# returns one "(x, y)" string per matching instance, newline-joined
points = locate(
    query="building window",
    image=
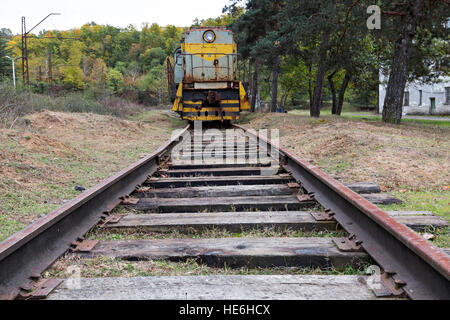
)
(406, 99)
(447, 95)
(420, 97)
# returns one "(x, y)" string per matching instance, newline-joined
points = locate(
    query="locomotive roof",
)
(209, 28)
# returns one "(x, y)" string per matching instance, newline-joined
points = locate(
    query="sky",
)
(75, 13)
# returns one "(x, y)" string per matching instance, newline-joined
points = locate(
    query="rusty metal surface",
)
(389, 287)
(349, 244)
(130, 201)
(400, 251)
(110, 220)
(304, 197)
(208, 62)
(40, 290)
(31, 250)
(322, 216)
(83, 246)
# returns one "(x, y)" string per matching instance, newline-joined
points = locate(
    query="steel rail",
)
(29, 252)
(411, 263)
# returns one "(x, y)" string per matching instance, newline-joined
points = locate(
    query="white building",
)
(421, 98)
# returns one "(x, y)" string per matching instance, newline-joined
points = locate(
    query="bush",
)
(14, 104)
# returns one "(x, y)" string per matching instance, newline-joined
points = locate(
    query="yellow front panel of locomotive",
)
(209, 51)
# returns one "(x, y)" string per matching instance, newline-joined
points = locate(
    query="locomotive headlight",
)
(209, 36)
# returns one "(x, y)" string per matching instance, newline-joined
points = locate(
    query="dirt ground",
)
(410, 157)
(410, 161)
(42, 161)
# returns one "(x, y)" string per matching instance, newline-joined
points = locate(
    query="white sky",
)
(75, 13)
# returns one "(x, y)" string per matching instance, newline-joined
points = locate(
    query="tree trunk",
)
(342, 93)
(284, 98)
(333, 93)
(275, 72)
(393, 102)
(310, 85)
(317, 97)
(249, 75)
(255, 83)
(50, 72)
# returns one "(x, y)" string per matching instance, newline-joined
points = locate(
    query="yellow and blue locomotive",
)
(203, 79)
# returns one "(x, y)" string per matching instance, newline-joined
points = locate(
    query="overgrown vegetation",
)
(143, 234)
(295, 53)
(318, 49)
(410, 161)
(14, 104)
(111, 267)
(45, 158)
(127, 62)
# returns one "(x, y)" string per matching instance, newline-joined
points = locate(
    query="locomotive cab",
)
(204, 83)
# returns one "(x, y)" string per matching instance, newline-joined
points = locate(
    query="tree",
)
(115, 80)
(73, 75)
(309, 23)
(294, 78)
(5, 63)
(154, 57)
(351, 56)
(405, 25)
(254, 33)
(99, 72)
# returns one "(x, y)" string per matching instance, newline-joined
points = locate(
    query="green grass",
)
(143, 234)
(44, 180)
(336, 165)
(369, 116)
(247, 117)
(111, 267)
(433, 123)
(437, 202)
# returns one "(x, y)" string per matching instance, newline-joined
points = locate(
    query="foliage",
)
(5, 63)
(115, 59)
(115, 80)
(332, 36)
(14, 104)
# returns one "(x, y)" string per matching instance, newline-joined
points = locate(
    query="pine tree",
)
(254, 33)
(405, 25)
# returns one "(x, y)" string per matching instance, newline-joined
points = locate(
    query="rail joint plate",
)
(40, 290)
(349, 244)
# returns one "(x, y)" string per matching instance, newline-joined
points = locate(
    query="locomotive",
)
(203, 77)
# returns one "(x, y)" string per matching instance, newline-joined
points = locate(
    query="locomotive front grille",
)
(228, 110)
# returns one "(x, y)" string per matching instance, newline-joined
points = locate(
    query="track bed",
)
(248, 215)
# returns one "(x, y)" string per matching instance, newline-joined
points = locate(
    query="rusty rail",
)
(411, 264)
(26, 254)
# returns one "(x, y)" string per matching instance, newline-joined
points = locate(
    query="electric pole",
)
(13, 70)
(25, 72)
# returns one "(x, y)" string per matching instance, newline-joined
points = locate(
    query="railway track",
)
(246, 186)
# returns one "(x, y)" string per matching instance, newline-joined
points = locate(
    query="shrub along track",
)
(172, 191)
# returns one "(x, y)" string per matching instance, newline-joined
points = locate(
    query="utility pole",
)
(24, 51)
(50, 73)
(13, 70)
(25, 33)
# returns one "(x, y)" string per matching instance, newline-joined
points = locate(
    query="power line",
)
(25, 33)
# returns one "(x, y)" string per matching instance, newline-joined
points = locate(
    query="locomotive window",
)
(178, 57)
